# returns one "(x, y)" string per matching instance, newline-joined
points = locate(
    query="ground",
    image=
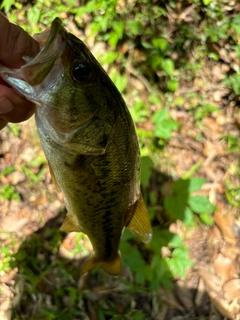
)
(40, 265)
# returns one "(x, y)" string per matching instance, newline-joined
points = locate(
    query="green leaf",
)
(6, 5)
(118, 27)
(179, 261)
(172, 84)
(160, 238)
(109, 57)
(146, 170)
(160, 116)
(33, 15)
(113, 39)
(155, 61)
(160, 43)
(154, 99)
(175, 205)
(176, 241)
(181, 186)
(170, 124)
(119, 80)
(168, 66)
(206, 2)
(164, 129)
(200, 204)
(195, 184)
(207, 219)
(188, 217)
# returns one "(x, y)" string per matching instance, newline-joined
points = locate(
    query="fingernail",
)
(5, 106)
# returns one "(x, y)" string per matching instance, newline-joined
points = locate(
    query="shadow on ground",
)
(48, 284)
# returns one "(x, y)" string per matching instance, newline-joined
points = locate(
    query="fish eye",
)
(81, 71)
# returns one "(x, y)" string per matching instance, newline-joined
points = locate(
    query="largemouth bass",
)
(89, 140)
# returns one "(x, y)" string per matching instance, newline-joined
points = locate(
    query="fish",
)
(90, 143)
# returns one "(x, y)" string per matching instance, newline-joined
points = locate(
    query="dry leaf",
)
(225, 223)
(224, 267)
(221, 305)
(231, 289)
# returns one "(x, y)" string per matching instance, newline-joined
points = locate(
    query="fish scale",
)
(90, 143)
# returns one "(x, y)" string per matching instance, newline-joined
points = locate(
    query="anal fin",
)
(54, 179)
(69, 225)
(138, 221)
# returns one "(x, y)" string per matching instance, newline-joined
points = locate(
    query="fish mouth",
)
(52, 43)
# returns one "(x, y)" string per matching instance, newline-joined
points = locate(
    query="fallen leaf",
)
(231, 289)
(224, 267)
(221, 305)
(225, 222)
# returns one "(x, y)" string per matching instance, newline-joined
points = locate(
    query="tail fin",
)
(112, 267)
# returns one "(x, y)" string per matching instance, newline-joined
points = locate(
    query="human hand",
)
(14, 43)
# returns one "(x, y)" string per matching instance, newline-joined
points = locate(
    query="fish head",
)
(64, 80)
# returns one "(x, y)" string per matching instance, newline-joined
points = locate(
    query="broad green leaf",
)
(206, 2)
(119, 80)
(180, 253)
(113, 39)
(160, 43)
(207, 219)
(195, 184)
(127, 235)
(146, 170)
(33, 15)
(155, 61)
(181, 186)
(161, 132)
(179, 261)
(176, 241)
(168, 66)
(160, 238)
(118, 27)
(164, 128)
(160, 116)
(170, 124)
(154, 99)
(188, 217)
(6, 5)
(175, 205)
(172, 84)
(200, 204)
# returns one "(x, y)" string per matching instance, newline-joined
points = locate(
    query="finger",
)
(3, 123)
(15, 43)
(14, 108)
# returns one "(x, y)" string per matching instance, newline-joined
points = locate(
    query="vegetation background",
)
(177, 65)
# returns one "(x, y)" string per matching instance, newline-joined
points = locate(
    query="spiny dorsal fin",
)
(138, 221)
(54, 179)
(69, 225)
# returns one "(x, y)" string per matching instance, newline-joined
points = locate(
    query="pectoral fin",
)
(138, 221)
(112, 267)
(54, 179)
(69, 225)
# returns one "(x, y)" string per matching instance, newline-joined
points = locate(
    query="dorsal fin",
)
(138, 221)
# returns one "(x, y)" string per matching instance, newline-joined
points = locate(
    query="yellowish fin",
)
(54, 179)
(69, 225)
(138, 221)
(112, 267)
